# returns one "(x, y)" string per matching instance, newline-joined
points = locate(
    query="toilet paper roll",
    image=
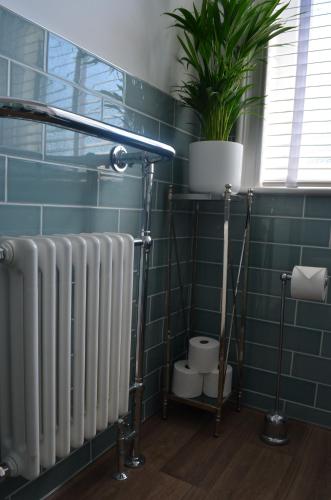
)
(186, 382)
(210, 383)
(310, 283)
(203, 354)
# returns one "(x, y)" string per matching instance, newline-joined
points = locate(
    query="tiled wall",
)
(286, 230)
(50, 183)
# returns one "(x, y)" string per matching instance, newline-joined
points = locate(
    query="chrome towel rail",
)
(23, 109)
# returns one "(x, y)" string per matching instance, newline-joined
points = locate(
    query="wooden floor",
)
(185, 462)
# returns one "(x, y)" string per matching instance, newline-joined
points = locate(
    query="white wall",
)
(131, 34)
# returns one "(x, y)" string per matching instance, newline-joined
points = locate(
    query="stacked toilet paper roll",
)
(309, 283)
(210, 383)
(186, 382)
(203, 354)
(188, 375)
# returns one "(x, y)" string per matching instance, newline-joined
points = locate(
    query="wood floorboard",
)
(185, 462)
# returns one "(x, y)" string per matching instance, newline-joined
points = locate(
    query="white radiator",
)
(65, 335)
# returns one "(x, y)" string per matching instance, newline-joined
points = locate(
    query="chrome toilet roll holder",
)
(275, 422)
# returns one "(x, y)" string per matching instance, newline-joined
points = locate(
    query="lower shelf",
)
(203, 402)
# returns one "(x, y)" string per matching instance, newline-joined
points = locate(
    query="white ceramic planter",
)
(214, 164)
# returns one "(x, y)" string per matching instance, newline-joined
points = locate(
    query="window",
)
(296, 144)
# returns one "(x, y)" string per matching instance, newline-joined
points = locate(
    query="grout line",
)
(292, 361)
(321, 344)
(315, 396)
(304, 206)
(6, 181)
(41, 220)
(8, 77)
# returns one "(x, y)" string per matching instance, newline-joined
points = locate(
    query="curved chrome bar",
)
(38, 112)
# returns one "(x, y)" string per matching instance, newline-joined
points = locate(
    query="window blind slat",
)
(297, 119)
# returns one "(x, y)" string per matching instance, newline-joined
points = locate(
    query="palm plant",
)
(223, 42)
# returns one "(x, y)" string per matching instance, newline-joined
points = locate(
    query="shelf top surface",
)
(204, 196)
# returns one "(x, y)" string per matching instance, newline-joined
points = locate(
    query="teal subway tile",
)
(157, 280)
(314, 315)
(292, 389)
(159, 224)
(120, 116)
(2, 178)
(178, 323)
(154, 333)
(3, 76)
(180, 171)
(177, 139)
(130, 222)
(326, 346)
(152, 384)
(160, 251)
(154, 358)
(34, 182)
(161, 198)
(120, 191)
(157, 306)
(266, 358)
(61, 220)
(211, 225)
(259, 381)
(18, 220)
(103, 441)
(163, 171)
(268, 204)
(20, 39)
(291, 231)
(308, 414)
(318, 206)
(312, 367)
(210, 250)
(21, 138)
(207, 297)
(150, 100)
(207, 321)
(323, 400)
(178, 346)
(295, 338)
(255, 400)
(186, 119)
(72, 63)
(317, 257)
(209, 274)
(268, 308)
(299, 391)
(271, 256)
(267, 282)
(29, 84)
(55, 476)
(152, 406)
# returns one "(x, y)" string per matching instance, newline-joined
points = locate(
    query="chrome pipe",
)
(135, 458)
(241, 349)
(221, 378)
(23, 109)
(167, 330)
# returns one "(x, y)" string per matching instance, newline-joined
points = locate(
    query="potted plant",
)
(222, 43)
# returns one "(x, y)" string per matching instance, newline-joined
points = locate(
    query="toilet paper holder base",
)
(275, 423)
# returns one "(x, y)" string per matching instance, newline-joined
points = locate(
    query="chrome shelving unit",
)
(227, 325)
